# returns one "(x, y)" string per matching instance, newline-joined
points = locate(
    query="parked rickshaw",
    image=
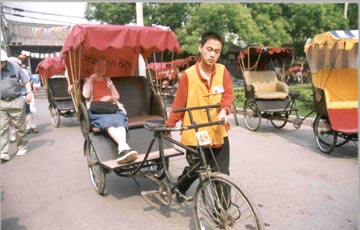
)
(334, 61)
(52, 75)
(219, 202)
(267, 95)
(165, 75)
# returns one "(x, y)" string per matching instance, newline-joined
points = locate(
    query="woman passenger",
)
(98, 87)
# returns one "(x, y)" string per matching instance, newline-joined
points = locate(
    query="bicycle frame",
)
(202, 167)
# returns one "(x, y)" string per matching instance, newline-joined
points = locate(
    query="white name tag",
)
(218, 89)
(203, 138)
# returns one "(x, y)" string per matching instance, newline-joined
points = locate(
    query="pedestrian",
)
(99, 88)
(205, 83)
(298, 77)
(30, 108)
(13, 80)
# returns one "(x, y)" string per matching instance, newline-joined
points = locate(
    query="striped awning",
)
(344, 39)
(333, 49)
(340, 34)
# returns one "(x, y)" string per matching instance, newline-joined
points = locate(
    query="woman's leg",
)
(118, 134)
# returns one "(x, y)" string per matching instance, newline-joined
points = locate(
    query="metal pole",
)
(140, 22)
(346, 10)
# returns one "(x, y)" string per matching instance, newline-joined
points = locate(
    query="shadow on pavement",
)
(12, 223)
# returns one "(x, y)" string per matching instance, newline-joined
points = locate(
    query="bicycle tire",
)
(279, 124)
(252, 115)
(213, 211)
(55, 116)
(96, 171)
(325, 137)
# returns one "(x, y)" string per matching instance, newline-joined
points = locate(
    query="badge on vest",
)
(218, 89)
(203, 138)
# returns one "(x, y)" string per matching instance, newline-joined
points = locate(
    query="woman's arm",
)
(88, 86)
(115, 96)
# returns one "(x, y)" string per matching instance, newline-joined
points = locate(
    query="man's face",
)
(210, 51)
(100, 67)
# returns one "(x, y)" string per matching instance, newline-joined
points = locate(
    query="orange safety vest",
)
(199, 95)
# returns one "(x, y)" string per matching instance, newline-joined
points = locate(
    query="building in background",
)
(34, 41)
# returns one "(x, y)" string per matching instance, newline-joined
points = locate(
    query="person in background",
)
(298, 77)
(205, 83)
(30, 122)
(306, 75)
(98, 87)
(13, 80)
(30, 110)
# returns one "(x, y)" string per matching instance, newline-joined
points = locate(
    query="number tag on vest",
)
(218, 89)
(203, 138)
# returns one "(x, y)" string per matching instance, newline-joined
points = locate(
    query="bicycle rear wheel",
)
(220, 203)
(325, 137)
(55, 116)
(252, 115)
(96, 171)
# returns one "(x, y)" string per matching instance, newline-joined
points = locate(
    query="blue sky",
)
(71, 11)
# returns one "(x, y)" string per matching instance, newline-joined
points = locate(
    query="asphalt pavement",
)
(294, 185)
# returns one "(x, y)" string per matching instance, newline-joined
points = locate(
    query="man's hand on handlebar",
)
(222, 116)
(166, 133)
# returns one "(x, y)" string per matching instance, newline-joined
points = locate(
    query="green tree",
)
(111, 13)
(353, 16)
(167, 14)
(306, 20)
(231, 19)
(269, 20)
(267, 24)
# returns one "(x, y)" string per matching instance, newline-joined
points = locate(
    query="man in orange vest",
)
(205, 83)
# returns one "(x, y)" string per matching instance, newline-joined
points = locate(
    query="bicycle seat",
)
(294, 94)
(157, 125)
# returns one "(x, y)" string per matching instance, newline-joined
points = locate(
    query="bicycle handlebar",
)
(196, 108)
(159, 126)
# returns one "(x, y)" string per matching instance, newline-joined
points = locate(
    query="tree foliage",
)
(170, 14)
(111, 13)
(267, 24)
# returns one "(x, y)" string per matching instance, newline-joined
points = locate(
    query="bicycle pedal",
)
(181, 197)
(149, 193)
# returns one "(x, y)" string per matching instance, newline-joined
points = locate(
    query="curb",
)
(307, 121)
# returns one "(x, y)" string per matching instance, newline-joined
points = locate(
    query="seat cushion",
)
(266, 85)
(272, 95)
(138, 121)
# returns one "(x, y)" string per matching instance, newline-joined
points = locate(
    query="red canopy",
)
(168, 69)
(120, 45)
(186, 61)
(261, 56)
(49, 67)
(163, 70)
(295, 68)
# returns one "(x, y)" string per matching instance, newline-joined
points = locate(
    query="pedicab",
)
(51, 71)
(267, 95)
(165, 75)
(122, 45)
(334, 61)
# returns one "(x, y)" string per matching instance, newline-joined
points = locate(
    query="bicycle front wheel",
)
(220, 203)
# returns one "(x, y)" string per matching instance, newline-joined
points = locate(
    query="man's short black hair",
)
(211, 35)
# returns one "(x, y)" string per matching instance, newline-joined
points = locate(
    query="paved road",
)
(294, 185)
